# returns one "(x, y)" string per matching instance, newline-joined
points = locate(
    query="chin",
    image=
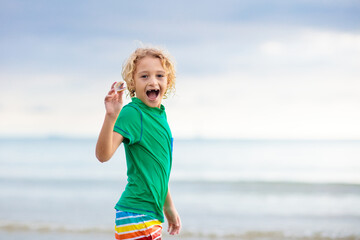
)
(154, 103)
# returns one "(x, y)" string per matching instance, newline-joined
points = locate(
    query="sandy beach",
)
(55, 235)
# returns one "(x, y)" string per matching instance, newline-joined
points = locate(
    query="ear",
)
(131, 84)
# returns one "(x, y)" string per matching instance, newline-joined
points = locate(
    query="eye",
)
(160, 75)
(144, 76)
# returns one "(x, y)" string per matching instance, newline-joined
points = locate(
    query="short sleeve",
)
(129, 124)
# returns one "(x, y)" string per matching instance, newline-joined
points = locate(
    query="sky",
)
(247, 69)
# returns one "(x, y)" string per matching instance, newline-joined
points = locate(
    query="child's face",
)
(150, 81)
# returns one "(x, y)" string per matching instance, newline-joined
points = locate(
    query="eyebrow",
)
(159, 71)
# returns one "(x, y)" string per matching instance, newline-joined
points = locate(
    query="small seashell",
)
(120, 86)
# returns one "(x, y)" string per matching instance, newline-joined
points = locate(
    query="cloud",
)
(249, 107)
(129, 20)
(314, 43)
(285, 69)
(291, 87)
(293, 91)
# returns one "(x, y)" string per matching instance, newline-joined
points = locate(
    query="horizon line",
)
(199, 138)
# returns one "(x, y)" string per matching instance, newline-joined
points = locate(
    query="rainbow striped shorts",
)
(136, 226)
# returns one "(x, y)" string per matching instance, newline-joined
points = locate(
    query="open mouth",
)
(152, 94)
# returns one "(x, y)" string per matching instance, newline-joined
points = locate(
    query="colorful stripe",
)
(136, 226)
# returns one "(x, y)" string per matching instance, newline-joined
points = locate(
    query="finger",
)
(169, 228)
(111, 92)
(120, 92)
(108, 97)
(111, 97)
(171, 231)
(174, 229)
(177, 226)
(119, 96)
(180, 224)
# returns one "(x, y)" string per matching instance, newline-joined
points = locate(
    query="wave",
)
(243, 185)
(268, 235)
(46, 227)
(39, 174)
(9, 226)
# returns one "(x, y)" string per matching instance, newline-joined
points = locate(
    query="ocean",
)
(54, 188)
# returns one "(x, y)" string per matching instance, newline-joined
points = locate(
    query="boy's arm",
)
(109, 140)
(172, 215)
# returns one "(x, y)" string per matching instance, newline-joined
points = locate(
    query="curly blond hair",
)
(129, 68)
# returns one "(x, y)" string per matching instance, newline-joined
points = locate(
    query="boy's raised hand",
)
(114, 102)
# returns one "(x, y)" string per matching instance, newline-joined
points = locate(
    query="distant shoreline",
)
(59, 137)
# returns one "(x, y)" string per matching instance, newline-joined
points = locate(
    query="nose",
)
(152, 80)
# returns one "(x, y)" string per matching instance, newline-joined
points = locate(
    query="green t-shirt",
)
(148, 149)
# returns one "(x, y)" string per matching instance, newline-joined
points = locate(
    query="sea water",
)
(55, 188)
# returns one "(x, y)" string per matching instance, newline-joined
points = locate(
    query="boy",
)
(142, 127)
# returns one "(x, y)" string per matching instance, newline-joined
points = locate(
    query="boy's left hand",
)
(174, 221)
